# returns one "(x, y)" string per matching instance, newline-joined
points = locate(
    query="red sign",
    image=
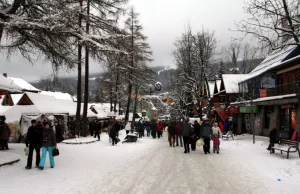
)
(286, 106)
(220, 111)
(232, 110)
(263, 93)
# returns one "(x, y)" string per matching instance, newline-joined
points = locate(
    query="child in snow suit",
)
(216, 142)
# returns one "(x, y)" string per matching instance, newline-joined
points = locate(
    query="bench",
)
(286, 145)
(228, 135)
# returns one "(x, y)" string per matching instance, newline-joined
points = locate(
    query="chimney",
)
(5, 75)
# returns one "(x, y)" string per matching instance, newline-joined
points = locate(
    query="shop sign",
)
(286, 106)
(263, 93)
(247, 109)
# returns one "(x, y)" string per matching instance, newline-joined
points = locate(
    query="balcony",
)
(284, 89)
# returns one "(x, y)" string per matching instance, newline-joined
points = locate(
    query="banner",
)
(220, 111)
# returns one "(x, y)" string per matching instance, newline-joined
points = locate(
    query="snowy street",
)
(151, 166)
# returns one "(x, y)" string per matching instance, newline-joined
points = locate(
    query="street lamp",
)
(157, 87)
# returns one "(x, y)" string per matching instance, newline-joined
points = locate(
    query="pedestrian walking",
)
(127, 128)
(206, 135)
(193, 139)
(226, 126)
(4, 133)
(216, 130)
(178, 134)
(186, 132)
(159, 130)
(274, 138)
(171, 133)
(48, 144)
(153, 127)
(140, 128)
(97, 130)
(92, 127)
(34, 140)
(113, 133)
(197, 129)
(147, 127)
(216, 143)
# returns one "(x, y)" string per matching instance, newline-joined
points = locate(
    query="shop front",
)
(249, 114)
(287, 120)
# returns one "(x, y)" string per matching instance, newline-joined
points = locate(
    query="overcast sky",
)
(163, 21)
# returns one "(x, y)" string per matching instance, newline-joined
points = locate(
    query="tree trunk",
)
(78, 110)
(116, 92)
(134, 106)
(86, 82)
(132, 65)
(128, 102)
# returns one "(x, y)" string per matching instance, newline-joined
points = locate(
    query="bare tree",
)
(193, 55)
(139, 53)
(273, 22)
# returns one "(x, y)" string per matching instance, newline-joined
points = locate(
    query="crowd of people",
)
(183, 133)
(41, 136)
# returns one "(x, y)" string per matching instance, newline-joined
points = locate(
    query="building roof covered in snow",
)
(218, 82)
(9, 85)
(275, 59)
(231, 82)
(58, 95)
(36, 103)
(24, 84)
(211, 87)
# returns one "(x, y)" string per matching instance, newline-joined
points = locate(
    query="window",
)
(290, 80)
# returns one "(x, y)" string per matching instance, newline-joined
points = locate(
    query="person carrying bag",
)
(48, 145)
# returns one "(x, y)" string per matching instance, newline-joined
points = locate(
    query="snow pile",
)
(81, 140)
(8, 157)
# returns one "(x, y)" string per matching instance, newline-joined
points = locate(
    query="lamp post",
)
(157, 87)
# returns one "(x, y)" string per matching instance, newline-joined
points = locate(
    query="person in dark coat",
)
(48, 144)
(140, 128)
(186, 132)
(274, 138)
(153, 129)
(113, 133)
(92, 127)
(4, 133)
(97, 130)
(197, 129)
(178, 134)
(226, 126)
(171, 133)
(34, 140)
(206, 135)
(193, 139)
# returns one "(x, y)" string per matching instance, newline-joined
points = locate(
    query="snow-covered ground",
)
(6, 157)
(151, 166)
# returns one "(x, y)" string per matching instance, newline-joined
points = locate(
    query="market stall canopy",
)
(9, 86)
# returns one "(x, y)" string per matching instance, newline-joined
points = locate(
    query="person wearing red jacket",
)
(160, 128)
(216, 142)
(178, 134)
